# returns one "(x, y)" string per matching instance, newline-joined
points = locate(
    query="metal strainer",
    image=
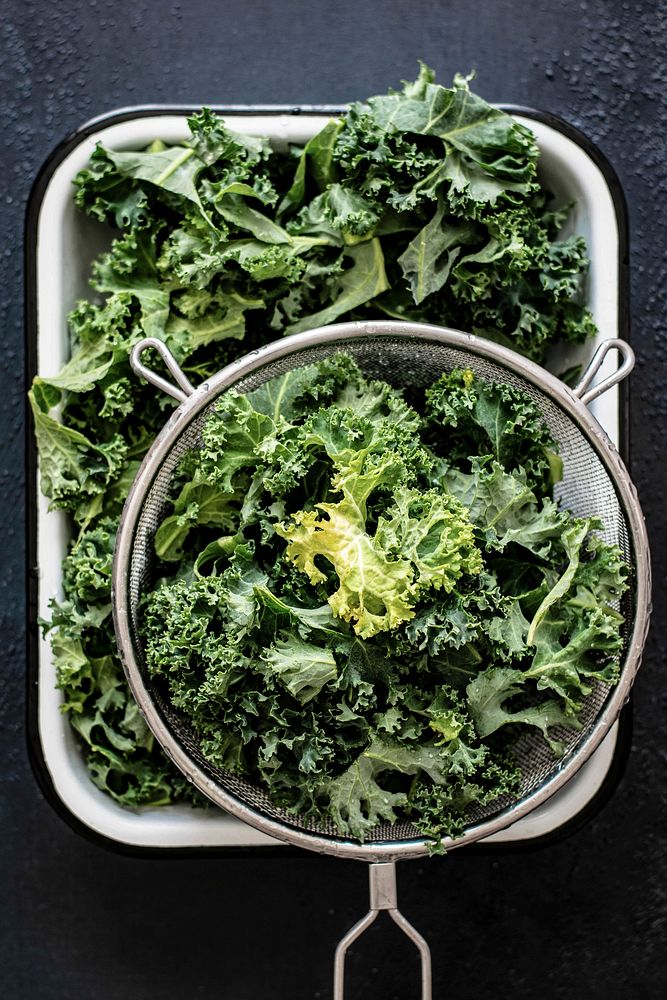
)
(596, 483)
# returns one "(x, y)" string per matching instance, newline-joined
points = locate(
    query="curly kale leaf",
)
(422, 541)
(356, 800)
(358, 284)
(302, 667)
(504, 508)
(74, 470)
(474, 148)
(495, 419)
(487, 695)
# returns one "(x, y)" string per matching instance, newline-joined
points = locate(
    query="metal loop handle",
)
(383, 896)
(581, 390)
(186, 387)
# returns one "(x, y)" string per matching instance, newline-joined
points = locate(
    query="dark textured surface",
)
(585, 918)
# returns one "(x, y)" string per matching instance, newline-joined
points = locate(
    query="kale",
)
(420, 204)
(333, 694)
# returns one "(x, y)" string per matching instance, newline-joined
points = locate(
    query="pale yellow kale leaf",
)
(425, 541)
(375, 591)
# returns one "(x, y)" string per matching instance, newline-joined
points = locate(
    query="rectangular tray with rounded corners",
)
(60, 246)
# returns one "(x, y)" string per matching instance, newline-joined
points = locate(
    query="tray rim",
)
(39, 766)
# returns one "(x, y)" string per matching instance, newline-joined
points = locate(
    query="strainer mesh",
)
(587, 490)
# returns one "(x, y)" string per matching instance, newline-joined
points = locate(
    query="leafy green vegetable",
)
(422, 204)
(357, 642)
(486, 694)
(502, 421)
(422, 541)
(302, 667)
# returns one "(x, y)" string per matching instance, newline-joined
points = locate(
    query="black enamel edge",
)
(39, 766)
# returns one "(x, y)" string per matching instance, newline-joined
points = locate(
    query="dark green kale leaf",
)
(502, 421)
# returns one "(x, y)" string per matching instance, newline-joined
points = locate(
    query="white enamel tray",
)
(61, 245)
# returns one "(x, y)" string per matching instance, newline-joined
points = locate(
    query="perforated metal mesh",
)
(587, 490)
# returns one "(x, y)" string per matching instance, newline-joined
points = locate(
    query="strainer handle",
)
(186, 387)
(582, 390)
(383, 896)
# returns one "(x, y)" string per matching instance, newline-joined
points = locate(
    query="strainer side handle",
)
(583, 388)
(182, 390)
